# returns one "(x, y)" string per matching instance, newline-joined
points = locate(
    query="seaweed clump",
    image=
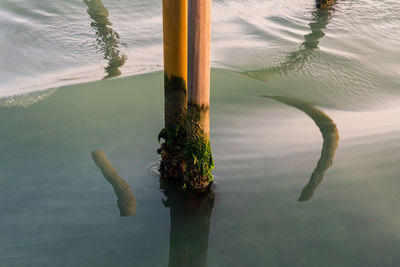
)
(197, 152)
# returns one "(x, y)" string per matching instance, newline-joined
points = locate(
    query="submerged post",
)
(199, 161)
(175, 76)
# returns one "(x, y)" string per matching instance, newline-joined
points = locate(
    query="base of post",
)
(172, 166)
(197, 153)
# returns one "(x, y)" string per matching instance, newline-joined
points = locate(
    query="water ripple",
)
(351, 50)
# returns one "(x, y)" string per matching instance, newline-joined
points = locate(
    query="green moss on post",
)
(199, 161)
(173, 165)
(197, 153)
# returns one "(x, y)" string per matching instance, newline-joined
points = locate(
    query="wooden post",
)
(175, 38)
(175, 90)
(198, 155)
(325, 3)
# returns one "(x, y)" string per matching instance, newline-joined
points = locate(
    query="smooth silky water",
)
(305, 124)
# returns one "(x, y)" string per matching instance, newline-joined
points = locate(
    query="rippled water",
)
(345, 58)
(305, 128)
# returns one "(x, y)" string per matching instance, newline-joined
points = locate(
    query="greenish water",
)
(59, 210)
(346, 58)
(305, 124)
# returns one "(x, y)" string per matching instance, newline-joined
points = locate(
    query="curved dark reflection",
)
(297, 59)
(190, 225)
(107, 39)
(330, 137)
(126, 200)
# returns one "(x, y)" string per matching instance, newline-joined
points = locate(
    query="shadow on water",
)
(190, 215)
(296, 60)
(330, 137)
(107, 39)
(126, 200)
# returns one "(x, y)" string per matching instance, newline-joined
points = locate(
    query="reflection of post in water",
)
(107, 38)
(330, 136)
(126, 199)
(296, 60)
(190, 225)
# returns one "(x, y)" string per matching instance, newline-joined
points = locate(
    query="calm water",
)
(305, 131)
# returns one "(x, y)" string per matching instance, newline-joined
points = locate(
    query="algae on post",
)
(198, 156)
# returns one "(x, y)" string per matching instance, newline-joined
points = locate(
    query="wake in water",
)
(331, 76)
(296, 60)
(26, 100)
(347, 58)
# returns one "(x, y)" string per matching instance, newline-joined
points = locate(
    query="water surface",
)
(305, 124)
(58, 209)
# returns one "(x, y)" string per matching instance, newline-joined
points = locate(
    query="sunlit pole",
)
(175, 88)
(198, 156)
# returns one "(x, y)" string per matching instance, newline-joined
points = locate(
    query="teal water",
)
(58, 210)
(304, 130)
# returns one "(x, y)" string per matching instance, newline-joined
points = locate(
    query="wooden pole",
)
(175, 90)
(199, 52)
(175, 38)
(325, 3)
(198, 155)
